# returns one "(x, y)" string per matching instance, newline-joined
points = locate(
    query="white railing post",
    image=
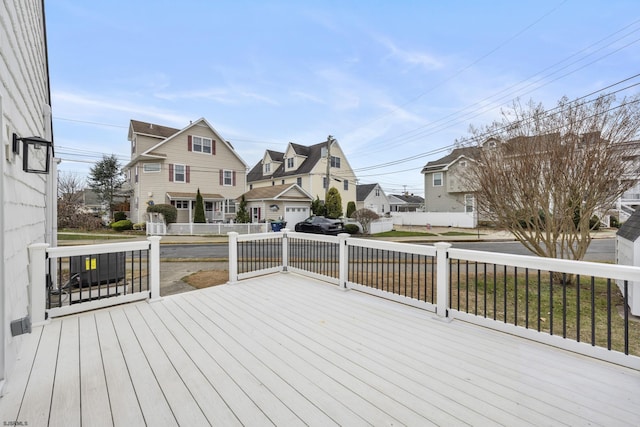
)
(442, 279)
(343, 255)
(285, 250)
(233, 256)
(154, 267)
(37, 282)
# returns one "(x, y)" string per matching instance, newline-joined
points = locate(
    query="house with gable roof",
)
(307, 167)
(286, 202)
(405, 203)
(169, 165)
(444, 188)
(372, 197)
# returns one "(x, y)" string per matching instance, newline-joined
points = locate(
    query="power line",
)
(463, 69)
(456, 117)
(444, 148)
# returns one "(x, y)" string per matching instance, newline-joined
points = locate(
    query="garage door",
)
(295, 214)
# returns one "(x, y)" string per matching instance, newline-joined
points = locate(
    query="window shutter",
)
(233, 182)
(221, 177)
(187, 173)
(170, 172)
(213, 147)
(189, 143)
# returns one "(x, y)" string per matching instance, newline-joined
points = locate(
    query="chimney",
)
(150, 125)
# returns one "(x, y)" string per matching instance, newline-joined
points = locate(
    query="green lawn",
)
(394, 233)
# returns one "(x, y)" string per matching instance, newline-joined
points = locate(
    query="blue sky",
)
(396, 83)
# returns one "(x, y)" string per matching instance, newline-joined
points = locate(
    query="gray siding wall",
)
(438, 199)
(24, 106)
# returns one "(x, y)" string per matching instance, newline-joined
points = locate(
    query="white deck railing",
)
(46, 263)
(442, 273)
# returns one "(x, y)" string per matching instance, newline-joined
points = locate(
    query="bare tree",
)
(365, 217)
(70, 212)
(543, 174)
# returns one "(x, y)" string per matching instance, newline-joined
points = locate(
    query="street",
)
(600, 250)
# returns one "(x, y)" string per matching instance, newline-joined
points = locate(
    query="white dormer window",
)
(290, 163)
(267, 168)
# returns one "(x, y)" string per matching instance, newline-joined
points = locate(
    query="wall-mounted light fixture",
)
(274, 208)
(36, 153)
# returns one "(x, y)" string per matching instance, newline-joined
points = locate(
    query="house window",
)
(230, 206)
(335, 162)
(283, 182)
(345, 185)
(377, 192)
(179, 173)
(437, 179)
(267, 167)
(299, 181)
(202, 145)
(180, 204)
(290, 162)
(136, 180)
(151, 167)
(324, 182)
(227, 178)
(250, 186)
(468, 203)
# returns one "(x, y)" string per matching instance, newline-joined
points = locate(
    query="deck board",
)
(209, 401)
(523, 384)
(95, 408)
(287, 350)
(125, 408)
(66, 387)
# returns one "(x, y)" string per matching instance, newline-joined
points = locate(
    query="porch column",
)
(233, 256)
(37, 282)
(154, 268)
(285, 250)
(343, 265)
(442, 279)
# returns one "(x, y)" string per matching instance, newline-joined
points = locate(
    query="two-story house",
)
(372, 197)
(314, 168)
(444, 187)
(169, 166)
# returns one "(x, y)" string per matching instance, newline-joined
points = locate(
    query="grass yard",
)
(578, 308)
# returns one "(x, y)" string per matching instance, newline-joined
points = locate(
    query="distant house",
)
(91, 202)
(27, 200)
(313, 168)
(405, 203)
(169, 165)
(444, 189)
(371, 196)
(286, 202)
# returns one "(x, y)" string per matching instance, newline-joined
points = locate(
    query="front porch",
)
(286, 349)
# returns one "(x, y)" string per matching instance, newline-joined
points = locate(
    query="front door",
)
(255, 215)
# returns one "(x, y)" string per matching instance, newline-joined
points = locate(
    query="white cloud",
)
(79, 106)
(423, 59)
(219, 95)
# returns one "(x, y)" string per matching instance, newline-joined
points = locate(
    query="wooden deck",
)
(287, 350)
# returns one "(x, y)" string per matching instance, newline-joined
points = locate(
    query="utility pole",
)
(326, 190)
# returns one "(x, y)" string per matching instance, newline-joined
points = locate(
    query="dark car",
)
(320, 225)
